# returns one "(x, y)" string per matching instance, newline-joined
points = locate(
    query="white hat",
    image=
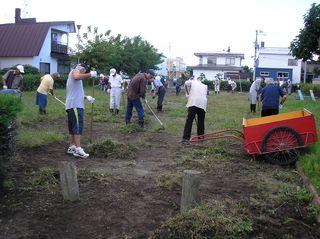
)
(20, 68)
(113, 71)
(101, 75)
(158, 78)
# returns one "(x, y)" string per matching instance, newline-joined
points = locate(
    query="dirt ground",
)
(126, 200)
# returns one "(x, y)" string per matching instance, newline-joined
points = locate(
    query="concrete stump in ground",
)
(190, 187)
(69, 181)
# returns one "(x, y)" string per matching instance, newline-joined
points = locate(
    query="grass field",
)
(223, 111)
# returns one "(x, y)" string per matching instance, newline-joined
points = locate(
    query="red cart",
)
(278, 137)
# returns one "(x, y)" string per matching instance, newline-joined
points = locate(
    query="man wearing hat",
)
(13, 81)
(137, 89)
(115, 82)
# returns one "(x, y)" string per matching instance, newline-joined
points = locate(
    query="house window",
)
(264, 73)
(282, 75)
(212, 61)
(230, 61)
(44, 68)
(292, 62)
(63, 67)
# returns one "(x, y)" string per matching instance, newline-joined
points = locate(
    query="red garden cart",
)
(278, 137)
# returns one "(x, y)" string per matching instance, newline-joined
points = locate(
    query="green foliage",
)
(109, 148)
(9, 108)
(214, 220)
(307, 87)
(104, 51)
(307, 42)
(226, 87)
(28, 69)
(32, 138)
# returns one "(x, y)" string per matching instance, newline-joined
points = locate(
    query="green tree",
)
(307, 43)
(104, 51)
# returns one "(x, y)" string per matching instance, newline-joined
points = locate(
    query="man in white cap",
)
(115, 82)
(75, 107)
(13, 81)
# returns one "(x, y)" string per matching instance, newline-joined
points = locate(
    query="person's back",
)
(270, 96)
(137, 86)
(197, 94)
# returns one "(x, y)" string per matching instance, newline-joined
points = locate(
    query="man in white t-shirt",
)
(115, 82)
(196, 93)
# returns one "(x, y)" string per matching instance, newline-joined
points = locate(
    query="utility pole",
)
(256, 48)
(78, 48)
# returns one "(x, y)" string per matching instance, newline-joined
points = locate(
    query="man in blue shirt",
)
(270, 98)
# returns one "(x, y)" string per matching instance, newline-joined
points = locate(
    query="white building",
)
(212, 63)
(43, 45)
(277, 63)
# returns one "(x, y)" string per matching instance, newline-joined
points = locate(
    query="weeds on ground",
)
(108, 148)
(204, 157)
(86, 176)
(213, 220)
(169, 180)
(35, 138)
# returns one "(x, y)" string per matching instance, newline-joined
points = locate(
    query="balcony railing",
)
(57, 47)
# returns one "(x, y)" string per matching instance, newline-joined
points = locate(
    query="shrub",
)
(307, 87)
(9, 107)
(224, 86)
(28, 69)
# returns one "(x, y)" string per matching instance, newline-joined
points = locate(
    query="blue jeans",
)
(161, 94)
(136, 103)
(178, 89)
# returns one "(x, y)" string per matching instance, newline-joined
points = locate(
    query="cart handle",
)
(221, 134)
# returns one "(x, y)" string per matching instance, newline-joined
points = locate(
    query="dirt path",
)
(126, 200)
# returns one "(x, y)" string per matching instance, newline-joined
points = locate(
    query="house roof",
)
(217, 68)
(25, 39)
(220, 53)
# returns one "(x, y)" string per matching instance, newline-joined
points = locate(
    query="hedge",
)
(307, 87)
(9, 108)
(245, 85)
(32, 81)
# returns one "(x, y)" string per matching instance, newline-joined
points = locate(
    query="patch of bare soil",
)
(127, 200)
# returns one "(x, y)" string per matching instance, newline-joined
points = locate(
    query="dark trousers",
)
(178, 89)
(253, 108)
(267, 112)
(161, 94)
(192, 112)
(136, 103)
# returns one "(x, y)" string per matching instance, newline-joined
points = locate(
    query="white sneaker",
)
(71, 149)
(80, 153)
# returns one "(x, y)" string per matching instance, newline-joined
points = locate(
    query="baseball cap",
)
(113, 71)
(151, 72)
(20, 68)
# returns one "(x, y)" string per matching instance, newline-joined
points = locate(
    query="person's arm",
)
(187, 86)
(20, 86)
(76, 75)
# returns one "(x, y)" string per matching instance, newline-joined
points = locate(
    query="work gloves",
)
(93, 74)
(280, 106)
(5, 87)
(90, 99)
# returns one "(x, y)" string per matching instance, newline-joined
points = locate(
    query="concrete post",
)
(190, 187)
(69, 181)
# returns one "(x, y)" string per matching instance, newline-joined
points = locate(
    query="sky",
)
(178, 28)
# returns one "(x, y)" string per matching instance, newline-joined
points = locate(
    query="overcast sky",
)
(188, 26)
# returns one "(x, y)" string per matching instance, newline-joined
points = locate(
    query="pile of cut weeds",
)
(108, 148)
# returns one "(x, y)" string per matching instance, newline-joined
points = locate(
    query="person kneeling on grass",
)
(75, 107)
(46, 86)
